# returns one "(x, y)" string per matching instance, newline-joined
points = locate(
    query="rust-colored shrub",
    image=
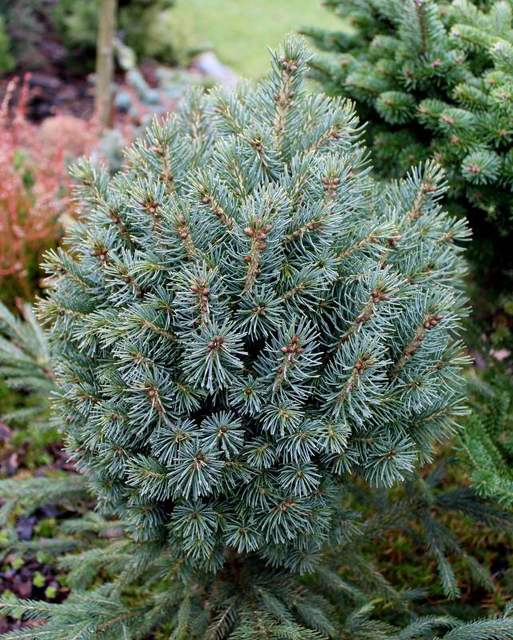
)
(34, 190)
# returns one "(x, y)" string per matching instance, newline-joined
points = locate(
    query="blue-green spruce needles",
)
(244, 319)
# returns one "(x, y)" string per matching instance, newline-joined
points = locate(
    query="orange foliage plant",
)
(35, 190)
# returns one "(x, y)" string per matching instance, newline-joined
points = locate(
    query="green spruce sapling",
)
(245, 321)
(486, 442)
(26, 381)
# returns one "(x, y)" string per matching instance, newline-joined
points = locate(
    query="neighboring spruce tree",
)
(486, 443)
(435, 80)
(25, 369)
(245, 322)
(25, 356)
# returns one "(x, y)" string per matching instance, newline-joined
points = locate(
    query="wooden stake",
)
(105, 61)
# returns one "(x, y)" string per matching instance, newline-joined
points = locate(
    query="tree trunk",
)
(105, 61)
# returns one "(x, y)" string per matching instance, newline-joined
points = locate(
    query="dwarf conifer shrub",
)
(434, 79)
(245, 319)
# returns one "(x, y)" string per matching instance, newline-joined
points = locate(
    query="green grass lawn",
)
(239, 31)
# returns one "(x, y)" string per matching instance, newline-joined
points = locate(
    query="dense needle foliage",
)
(251, 340)
(486, 443)
(245, 318)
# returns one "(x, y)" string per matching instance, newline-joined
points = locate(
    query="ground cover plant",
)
(244, 324)
(486, 444)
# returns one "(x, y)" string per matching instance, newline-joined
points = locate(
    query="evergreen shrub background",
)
(434, 79)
